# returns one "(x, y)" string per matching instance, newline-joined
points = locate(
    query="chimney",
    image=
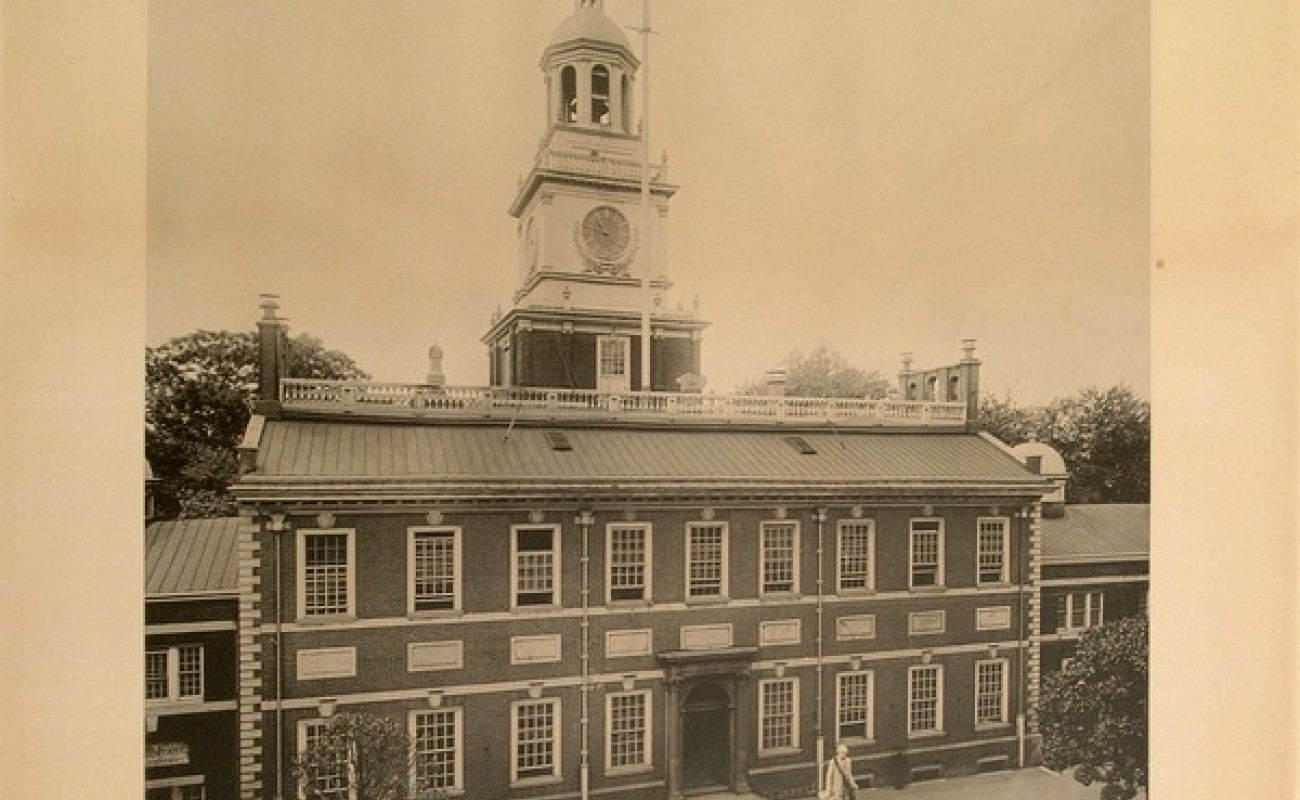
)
(906, 386)
(435, 376)
(775, 381)
(270, 357)
(970, 378)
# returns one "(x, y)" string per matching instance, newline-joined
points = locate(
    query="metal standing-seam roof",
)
(1109, 532)
(191, 556)
(304, 449)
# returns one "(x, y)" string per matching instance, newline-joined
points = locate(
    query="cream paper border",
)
(1224, 300)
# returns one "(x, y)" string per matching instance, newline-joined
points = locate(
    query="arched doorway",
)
(706, 737)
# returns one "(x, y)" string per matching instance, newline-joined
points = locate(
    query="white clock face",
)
(606, 233)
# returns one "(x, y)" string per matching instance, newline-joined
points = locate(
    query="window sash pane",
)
(704, 573)
(189, 672)
(777, 711)
(989, 692)
(435, 571)
(778, 557)
(923, 700)
(992, 551)
(325, 574)
(627, 730)
(925, 558)
(535, 740)
(854, 705)
(435, 749)
(155, 675)
(855, 556)
(628, 554)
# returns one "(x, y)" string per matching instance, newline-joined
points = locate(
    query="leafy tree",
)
(361, 757)
(1093, 713)
(199, 390)
(1104, 437)
(825, 373)
(1009, 422)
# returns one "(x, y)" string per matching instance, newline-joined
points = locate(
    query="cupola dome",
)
(589, 24)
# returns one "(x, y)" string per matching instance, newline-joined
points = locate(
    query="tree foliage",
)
(825, 373)
(361, 757)
(1093, 713)
(199, 391)
(1103, 435)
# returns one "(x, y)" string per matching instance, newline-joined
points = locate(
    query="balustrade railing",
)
(522, 402)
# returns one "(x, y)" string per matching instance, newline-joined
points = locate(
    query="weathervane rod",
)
(648, 249)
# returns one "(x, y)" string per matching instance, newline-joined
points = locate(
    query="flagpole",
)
(647, 239)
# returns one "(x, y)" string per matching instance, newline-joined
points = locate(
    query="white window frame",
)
(724, 566)
(911, 552)
(1004, 573)
(913, 701)
(556, 566)
(413, 534)
(556, 740)
(647, 532)
(763, 713)
(303, 729)
(172, 656)
(608, 381)
(764, 528)
(840, 680)
(351, 578)
(646, 733)
(1004, 667)
(1094, 605)
(178, 788)
(458, 745)
(841, 528)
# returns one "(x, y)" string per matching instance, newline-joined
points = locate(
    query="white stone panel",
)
(327, 662)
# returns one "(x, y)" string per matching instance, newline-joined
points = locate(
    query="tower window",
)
(569, 94)
(600, 95)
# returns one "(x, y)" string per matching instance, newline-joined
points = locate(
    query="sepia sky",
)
(879, 175)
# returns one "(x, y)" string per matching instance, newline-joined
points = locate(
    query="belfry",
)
(592, 246)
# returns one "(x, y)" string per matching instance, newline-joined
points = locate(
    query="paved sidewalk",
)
(1022, 784)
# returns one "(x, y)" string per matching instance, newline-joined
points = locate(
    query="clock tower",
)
(592, 261)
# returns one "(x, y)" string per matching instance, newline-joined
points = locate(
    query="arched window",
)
(600, 95)
(569, 94)
(954, 383)
(932, 389)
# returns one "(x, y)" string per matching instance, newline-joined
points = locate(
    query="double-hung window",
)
(535, 565)
(1077, 611)
(535, 740)
(627, 721)
(991, 550)
(857, 544)
(706, 560)
(174, 674)
(991, 692)
(436, 749)
(433, 564)
(627, 554)
(927, 553)
(326, 573)
(186, 791)
(853, 705)
(924, 700)
(780, 548)
(324, 770)
(778, 714)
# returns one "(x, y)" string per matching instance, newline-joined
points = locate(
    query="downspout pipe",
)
(820, 517)
(1025, 633)
(584, 521)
